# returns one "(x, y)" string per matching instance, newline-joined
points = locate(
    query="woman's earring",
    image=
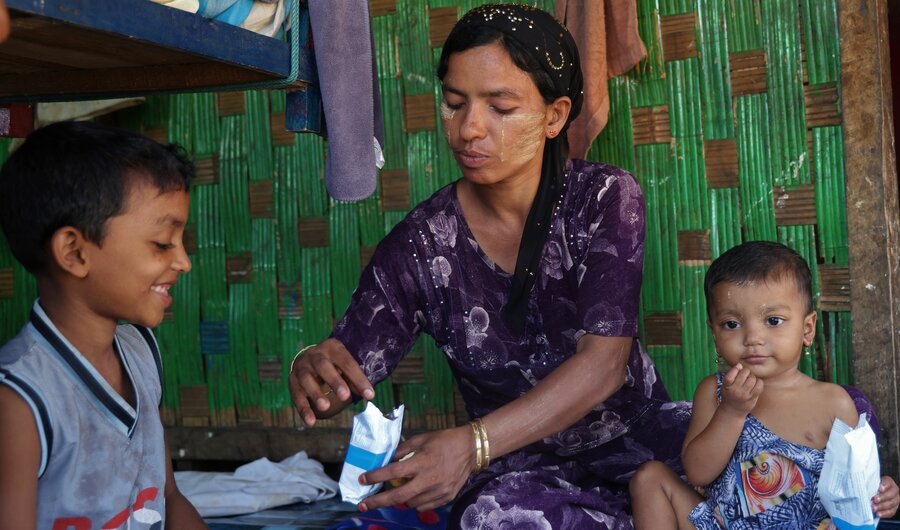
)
(719, 358)
(805, 349)
(552, 134)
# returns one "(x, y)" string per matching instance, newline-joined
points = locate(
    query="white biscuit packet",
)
(850, 475)
(372, 444)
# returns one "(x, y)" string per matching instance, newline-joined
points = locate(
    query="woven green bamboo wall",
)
(732, 125)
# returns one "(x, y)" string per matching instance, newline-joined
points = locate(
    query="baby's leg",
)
(660, 499)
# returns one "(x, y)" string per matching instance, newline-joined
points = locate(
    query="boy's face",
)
(140, 258)
(762, 325)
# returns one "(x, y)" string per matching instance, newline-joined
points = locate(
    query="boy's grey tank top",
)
(102, 461)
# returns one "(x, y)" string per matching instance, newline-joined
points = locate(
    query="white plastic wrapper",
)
(850, 475)
(372, 444)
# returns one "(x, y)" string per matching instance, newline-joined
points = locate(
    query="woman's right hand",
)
(321, 381)
(740, 390)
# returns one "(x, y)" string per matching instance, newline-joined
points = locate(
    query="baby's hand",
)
(885, 502)
(740, 390)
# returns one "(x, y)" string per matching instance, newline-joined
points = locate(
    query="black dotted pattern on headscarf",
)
(547, 40)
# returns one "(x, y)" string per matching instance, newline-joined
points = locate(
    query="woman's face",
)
(494, 117)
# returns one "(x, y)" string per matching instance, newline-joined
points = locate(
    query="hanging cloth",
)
(606, 33)
(348, 80)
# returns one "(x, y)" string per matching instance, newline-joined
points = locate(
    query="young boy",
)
(758, 432)
(97, 215)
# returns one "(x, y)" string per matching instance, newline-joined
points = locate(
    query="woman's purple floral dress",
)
(429, 275)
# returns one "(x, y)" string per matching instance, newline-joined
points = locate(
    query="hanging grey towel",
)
(345, 58)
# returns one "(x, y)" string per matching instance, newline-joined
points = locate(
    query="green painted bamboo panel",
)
(309, 165)
(823, 45)
(781, 23)
(754, 169)
(236, 201)
(287, 200)
(614, 145)
(831, 201)
(344, 258)
(744, 30)
(839, 347)
(210, 264)
(725, 221)
(415, 48)
(205, 125)
(395, 134)
(179, 121)
(297, 288)
(691, 197)
(675, 7)
(242, 337)
(699, 352)
(258, 135)
(655, 175)
(683, 93)
(649, 30)
(420, 157)
(265, 287)
(718, 120)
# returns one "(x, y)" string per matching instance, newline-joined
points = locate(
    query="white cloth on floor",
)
(256, 486)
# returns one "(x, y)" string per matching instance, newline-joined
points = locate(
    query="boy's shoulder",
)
(16, 348)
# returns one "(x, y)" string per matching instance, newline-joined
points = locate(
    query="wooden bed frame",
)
(66, 50)
(71, 50)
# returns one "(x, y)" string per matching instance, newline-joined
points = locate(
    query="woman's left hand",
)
(885, 502)
(442, 462)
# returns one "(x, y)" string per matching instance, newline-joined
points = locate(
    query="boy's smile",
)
(762, 325)
(142, 253)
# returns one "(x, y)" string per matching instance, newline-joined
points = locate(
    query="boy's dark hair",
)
(79, 174)
(756, 261)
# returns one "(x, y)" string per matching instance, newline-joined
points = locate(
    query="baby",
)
(763, 422)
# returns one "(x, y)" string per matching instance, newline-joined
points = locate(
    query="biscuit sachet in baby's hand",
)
(850, 475)
(373, 441)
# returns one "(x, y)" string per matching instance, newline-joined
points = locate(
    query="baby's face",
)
(141, 256)
(762, 325)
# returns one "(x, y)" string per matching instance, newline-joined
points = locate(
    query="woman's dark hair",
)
(757, 261)
(464, 38)
(79, 174)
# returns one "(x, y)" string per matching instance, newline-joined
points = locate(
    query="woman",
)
(527, 274)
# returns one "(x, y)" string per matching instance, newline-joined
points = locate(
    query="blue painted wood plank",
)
(171, 28)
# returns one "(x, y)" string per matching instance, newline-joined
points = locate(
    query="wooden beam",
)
(163, 27)
(873, 214)
(124, 81)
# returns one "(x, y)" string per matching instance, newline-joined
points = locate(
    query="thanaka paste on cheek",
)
(528, 131)
(446, 117)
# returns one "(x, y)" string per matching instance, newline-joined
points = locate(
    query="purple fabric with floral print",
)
(429, 275)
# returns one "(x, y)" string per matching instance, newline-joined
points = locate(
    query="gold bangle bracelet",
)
(478, 450)
(298, 355)
(485, 444)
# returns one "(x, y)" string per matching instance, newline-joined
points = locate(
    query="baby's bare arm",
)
(715, 428)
